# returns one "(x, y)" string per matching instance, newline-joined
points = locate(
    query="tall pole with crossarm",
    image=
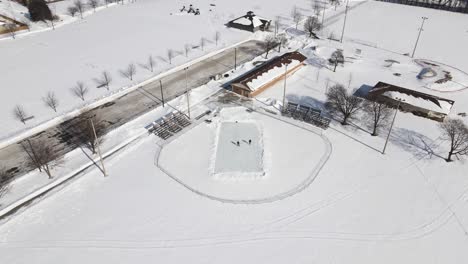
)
(419, 35)
(344, 23)
(393, 122)
(187, 91)
(284, 88)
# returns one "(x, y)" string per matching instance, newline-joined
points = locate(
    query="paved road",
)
(140, 101)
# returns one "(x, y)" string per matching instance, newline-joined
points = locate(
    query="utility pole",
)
(344, 23)
(98, 147)
(284, 89)
(393, 121)
(162, 94)
(187, 91)
(323, 13)
(235, 58)
(419, 35)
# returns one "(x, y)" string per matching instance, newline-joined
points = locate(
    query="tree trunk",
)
(336, 64)
(374, 132)
(449, 158)
(345, 120)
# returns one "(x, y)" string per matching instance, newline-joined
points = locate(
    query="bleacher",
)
(307, 114)
(168, 125)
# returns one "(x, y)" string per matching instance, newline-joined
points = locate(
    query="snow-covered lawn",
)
(363, 207)
(109, 40)
(407, 206)
(282, 160)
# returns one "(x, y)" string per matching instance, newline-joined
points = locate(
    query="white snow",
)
(407, 206)
(108, 40)
(443, 107)
(271, 75)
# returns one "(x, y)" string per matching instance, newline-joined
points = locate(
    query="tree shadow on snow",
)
(418, 144)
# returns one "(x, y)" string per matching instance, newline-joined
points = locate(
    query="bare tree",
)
(11, 28)
(79, 132)
(334, 3)
(51, 101)
(202, 43)
(170, 55)
(20, 114)
(80, 7)
(296, 15)
(336, 58)
(341, 102)
(281, 40)
(150, 64)
(4, 180)
(217, 37)
(72, 10)
(311, 25)
(129, 72)
(377, 114)
(269, 43)
(104, 80)
(93, 4)
(80, 90)
(187, 49)
(42, 155)
(456, 132)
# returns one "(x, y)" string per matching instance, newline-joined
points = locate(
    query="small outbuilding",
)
(264, 76)
(250, 22)
(418, 103)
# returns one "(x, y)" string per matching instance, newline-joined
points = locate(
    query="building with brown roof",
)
(261, 78)
(418, 103)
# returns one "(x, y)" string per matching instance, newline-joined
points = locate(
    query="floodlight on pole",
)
(419, 35)
(393, 121)
(284, 88)
(344, 22)
(98, 147)
(187, 91)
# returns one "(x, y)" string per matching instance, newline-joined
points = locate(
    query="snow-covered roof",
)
(418, 99)
(270, 70)
(270, 75)
(250, 20)
(439, 106)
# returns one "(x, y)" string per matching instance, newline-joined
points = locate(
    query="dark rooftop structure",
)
(250, 22)
(418, 103)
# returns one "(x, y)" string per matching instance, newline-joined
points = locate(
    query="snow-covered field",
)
(407, 206)
(278, 168)
(109, 40)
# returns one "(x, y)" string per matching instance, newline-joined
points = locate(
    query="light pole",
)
(284, 89)
(323, 13)
(393, 121)
(235, 58)
(98, 147)
(344, 23)
(419, 35)
(187, 91)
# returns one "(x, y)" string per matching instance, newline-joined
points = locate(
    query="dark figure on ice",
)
(238, 143)
(183, 9)
(250, 141)
(191, 10)
(197, 12)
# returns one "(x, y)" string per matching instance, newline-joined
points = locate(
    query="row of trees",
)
(346, 105)
(80, 89)
(79, 6)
